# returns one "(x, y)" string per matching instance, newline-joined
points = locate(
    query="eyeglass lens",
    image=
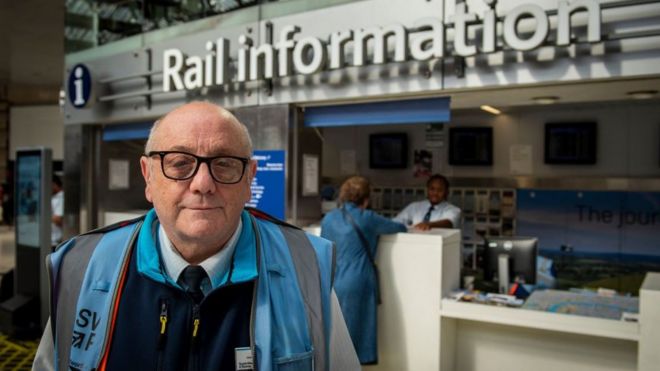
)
(182, 166)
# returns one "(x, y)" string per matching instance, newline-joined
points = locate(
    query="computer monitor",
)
(511, 259)
(388, 151)
(471, 146)
(571, 143)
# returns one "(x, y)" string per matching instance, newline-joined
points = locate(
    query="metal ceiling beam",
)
(87, 22)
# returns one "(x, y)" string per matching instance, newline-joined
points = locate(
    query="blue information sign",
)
(79, 86)
(268, 185)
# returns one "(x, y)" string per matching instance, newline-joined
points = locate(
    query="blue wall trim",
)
(126, 131)
(417, 111)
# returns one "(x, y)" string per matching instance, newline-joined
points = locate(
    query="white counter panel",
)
(484, 346)
(414, 280)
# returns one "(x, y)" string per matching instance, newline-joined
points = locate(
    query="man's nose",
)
(203, 182)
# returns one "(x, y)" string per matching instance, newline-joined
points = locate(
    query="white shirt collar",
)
(216, 266)
(437, 206)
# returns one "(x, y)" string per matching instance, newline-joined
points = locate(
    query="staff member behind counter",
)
(435, 211)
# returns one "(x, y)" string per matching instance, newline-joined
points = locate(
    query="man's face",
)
(197, 211)
(436, 191)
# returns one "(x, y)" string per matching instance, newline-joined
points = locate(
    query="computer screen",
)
(571, 143)
(521, 253)
(471, 146)
(388, 151)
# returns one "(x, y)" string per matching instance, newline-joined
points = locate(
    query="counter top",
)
(568, 323)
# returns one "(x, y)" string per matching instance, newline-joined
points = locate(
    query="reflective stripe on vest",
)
(311, 282)
(98, 293)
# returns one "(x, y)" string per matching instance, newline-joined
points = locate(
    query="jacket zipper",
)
(252, 316)
(194, 340)
(162, 337)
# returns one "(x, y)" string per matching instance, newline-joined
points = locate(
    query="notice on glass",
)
(310, 173)
(520, 158)
(118, 174)
(347, 162)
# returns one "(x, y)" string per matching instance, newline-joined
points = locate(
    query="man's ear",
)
(252, 170)
(145, 166)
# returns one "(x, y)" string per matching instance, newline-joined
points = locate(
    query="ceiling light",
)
(545, 100)
(490, 109)
(642, 94)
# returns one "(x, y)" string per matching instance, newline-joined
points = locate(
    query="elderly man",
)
(198, 283)
(435, 211)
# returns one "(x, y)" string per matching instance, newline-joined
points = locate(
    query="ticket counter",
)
(420, 328)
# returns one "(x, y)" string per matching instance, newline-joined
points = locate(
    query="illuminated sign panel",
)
(308, 55)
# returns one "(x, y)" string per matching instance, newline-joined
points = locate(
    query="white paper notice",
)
(118, 174)
(347, 162)
(520, 158)
(310, 173)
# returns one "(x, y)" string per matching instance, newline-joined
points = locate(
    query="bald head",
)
(199, 111)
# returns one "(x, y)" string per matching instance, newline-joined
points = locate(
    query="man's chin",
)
(200, 230)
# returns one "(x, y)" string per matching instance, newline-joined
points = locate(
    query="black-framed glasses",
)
(178, 165)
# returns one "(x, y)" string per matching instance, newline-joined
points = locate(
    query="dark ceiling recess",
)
(90, 23)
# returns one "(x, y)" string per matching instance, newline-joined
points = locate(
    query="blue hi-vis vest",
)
(290, 321)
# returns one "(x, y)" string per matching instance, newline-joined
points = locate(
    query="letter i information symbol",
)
(79, 86)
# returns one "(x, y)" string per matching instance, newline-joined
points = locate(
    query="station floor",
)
(14, 354)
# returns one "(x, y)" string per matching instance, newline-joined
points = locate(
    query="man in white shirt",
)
(57, 208)
(435, 211)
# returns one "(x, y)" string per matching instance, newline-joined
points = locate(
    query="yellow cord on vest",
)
(196, 326)
(163, 324)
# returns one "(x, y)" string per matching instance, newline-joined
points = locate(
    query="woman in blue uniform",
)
(355, 231)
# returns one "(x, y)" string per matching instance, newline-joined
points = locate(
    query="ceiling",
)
(579, 92)
(32, 58)
(32, 55)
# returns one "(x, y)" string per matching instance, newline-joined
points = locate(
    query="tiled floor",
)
(14, 354)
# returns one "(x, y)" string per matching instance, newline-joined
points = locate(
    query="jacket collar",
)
(149, 262)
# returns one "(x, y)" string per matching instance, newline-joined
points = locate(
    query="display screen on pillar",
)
(510, 257)
(28, 198)
(33, 185)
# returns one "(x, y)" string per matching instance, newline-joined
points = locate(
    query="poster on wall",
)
(268, 184)
(520, 159)
(595, 238)
(118, 174)
(310, 175)
(435, 135)
(423, 163)
(347, 162)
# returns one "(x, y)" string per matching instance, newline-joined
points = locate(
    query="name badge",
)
(243, 358)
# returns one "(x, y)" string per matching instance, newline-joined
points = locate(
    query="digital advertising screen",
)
(28, 193)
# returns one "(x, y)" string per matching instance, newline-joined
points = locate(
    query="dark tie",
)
(192, 278)
(427, 216)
